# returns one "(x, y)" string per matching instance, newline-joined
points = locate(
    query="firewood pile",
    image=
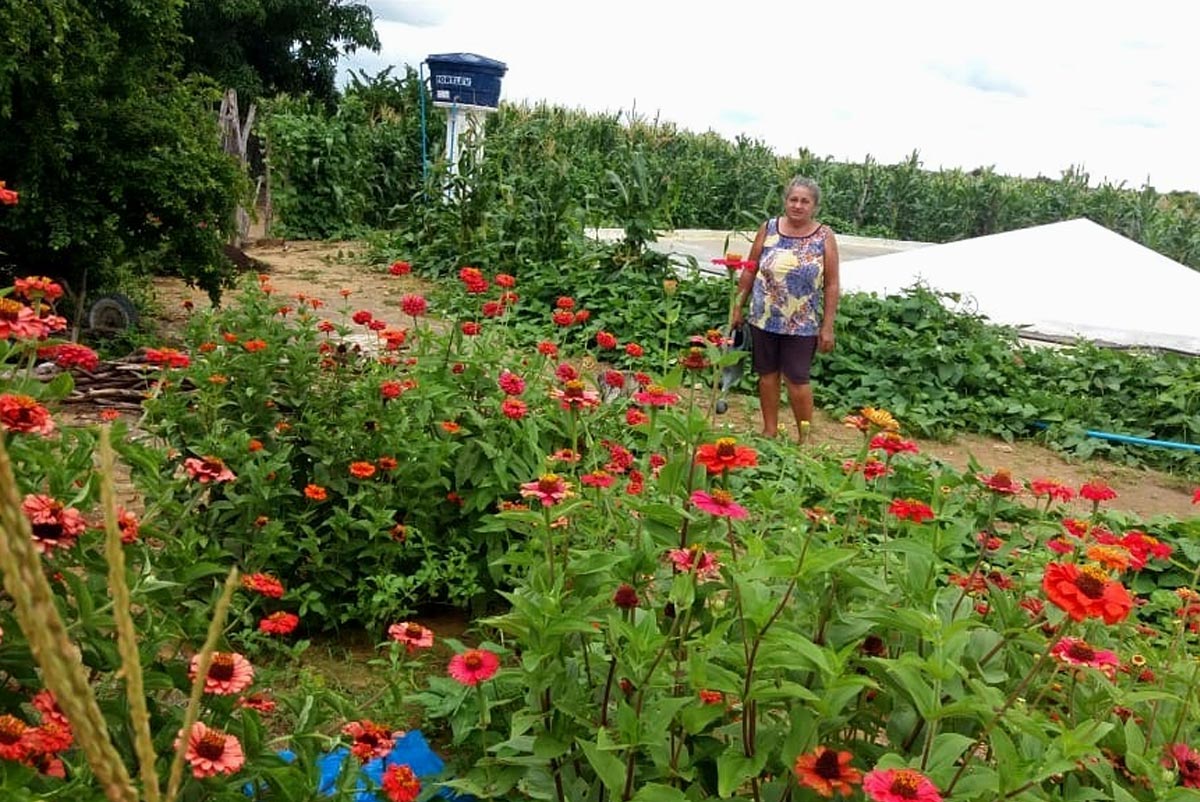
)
(120, 384)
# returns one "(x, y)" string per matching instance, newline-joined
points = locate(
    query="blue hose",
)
(1127, 438)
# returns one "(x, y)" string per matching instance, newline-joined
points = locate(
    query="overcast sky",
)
(1029, 87)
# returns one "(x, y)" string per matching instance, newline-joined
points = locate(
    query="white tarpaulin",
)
(1074, 279)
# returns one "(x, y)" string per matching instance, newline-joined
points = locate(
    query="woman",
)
(793, 294)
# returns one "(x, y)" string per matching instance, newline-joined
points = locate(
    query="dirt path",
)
(324, 270)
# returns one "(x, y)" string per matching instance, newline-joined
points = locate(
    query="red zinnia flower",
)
(634, 350)
(208, 469)
(263, 584)
(511, 383)
(1051, 488)
(399, 268)
(514, 408)
(387, 463)
(54, 526)
(893, 443)
(1086, 592)
(412, 635)
(128, 525)
(315, 492)
(1002, 482)
(546, 348)
(211, 752)
(22, 413)
(708, 697)
(491, 309)
(826, 771)
(258, 701)
(470, 328)
(911, 510)
(1196, 496)
(370, 740)
(362, 317)
(719, 503)
(725, 455)
(564, 303)
(598, 478)
(582, 316)
(474, 666)
(505, 280)
(362, 469)
(900, 785)
(414, 305)
(626, 596)
(550, 489)
(635, 417)
(13, 744)
(70, 355)
(1096, 491)
(229, 673)
(8, 197)
(606, 340)
(562, 318)
(655, 396)
(400, 783)
(1187, 762)
(33, 288)
(279, 623)
(254, 346)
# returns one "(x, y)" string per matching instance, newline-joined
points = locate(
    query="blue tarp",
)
(411, 750)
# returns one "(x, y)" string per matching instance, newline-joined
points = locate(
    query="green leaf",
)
(655, 792)
(734, 768)
(947, 748)
(607, 766)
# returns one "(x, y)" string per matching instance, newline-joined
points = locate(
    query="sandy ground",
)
(324, 270)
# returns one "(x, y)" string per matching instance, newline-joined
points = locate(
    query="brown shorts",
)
(791, 354)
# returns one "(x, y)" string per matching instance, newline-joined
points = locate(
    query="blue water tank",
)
(465, 79)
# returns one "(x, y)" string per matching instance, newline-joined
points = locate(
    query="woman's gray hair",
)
(806, 183)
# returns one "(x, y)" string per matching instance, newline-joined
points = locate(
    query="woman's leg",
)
(768, 399)
(800, 396)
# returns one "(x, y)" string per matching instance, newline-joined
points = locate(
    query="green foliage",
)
(115, 158)
(265, 47)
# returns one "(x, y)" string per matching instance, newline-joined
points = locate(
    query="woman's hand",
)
(825, 340)
(739, 317)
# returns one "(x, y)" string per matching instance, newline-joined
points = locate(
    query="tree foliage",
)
(116, 158)
(264, 47)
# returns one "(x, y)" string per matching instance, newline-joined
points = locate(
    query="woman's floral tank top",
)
(788, 290)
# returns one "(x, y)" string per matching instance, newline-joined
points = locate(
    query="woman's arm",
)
(746, 279)
(832, 294)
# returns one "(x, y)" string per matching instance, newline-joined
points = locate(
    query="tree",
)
(117, 160)
(264, 47)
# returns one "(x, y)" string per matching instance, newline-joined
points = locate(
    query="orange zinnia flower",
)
(826, 772)
(725, 455)
(1086, 593)
(362, 469)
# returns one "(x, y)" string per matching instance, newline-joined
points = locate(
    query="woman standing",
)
(793, 294)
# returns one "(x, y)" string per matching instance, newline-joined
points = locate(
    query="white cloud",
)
(1030, 86)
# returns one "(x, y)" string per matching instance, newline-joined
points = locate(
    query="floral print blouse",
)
(788, 290)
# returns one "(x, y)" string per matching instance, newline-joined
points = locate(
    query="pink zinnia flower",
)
(719, 503)
(54, 525)
(1051, 488)
(412, 635)
(208, 469)
(22, 413)
(1187, 762)
(900, 785)
(1078, 652)
(574, 396)
(211, 752)
(550, 489)
(474, 666)
(893, 443)
(228, 674)
(599, 478)
(706, 565)
(370, 740)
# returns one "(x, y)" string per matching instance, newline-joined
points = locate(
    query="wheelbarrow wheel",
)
(110, 314)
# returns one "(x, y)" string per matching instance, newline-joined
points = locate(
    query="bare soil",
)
(327, 270)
